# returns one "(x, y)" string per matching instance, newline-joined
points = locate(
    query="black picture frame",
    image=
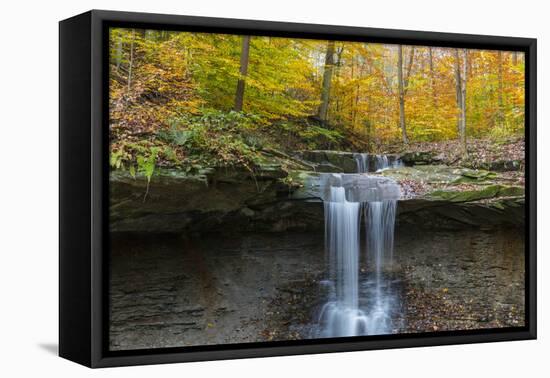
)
(84, 186)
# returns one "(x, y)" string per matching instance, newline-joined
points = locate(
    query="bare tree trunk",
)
(353, 98)
(360, 69)
(409, 68)
(370, 131)
(131, 62)
(239, 95)
(432, 78)
(458, 88)
(336, 73)
(463, 111)
(460, 80)
(368, 128)
(500, 114)
(118, 54)
(402, 123)
(327, 77)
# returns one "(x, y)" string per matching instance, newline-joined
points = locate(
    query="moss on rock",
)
(488, 192)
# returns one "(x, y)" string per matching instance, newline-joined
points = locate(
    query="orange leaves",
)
(175, 74)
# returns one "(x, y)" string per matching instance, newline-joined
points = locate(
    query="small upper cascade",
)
(375, 163)
(381, 162)
(362, 161)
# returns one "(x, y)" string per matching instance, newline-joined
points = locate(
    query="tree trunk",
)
(432, 78)
(402, 123)
(463, 111)
(239, 96)
(118, 54)
(327, 77)
(371, 132)
(500, 114)
(458, 88)
(460, 80)
(336, 73)
(353, 98)
(368, 128)
(131, 61)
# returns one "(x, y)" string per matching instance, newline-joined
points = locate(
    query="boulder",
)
(421, 158)
(499, 165)
(327, 160)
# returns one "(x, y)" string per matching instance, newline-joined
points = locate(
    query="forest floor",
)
(480, 152)
(505, 156)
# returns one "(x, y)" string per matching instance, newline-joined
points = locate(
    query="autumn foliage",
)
(172, 96)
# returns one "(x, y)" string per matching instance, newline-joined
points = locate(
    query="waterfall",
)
(351, 310)
(364, 162)
(380, 224)
(381, 163)
(341, 313)
(397, 163)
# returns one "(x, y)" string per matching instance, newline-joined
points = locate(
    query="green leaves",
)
(146, 164)
(214, 138)
(118, 158)
(176, 136)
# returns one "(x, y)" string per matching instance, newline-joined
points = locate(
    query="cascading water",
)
(380, 224)
(378, 163)
(341, 313)
(362, 161)
(381, 162)
(357, 306)
(397, 163)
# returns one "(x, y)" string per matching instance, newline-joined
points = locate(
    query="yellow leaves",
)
(181, 72)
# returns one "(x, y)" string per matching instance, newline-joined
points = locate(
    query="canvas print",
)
(268, 189)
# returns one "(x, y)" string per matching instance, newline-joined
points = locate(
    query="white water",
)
(341, 316)
(380, 224)
(380, 162)
(362, 161)
(357, 306)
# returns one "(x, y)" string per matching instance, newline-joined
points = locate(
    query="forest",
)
(193, 100)
(267, 189)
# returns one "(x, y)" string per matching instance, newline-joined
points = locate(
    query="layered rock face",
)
(283, 194)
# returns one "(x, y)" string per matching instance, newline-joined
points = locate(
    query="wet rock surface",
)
(340, 161)
(224, 201)
(168, 291)
(436, 196)
(461, 281)
(443, 197)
